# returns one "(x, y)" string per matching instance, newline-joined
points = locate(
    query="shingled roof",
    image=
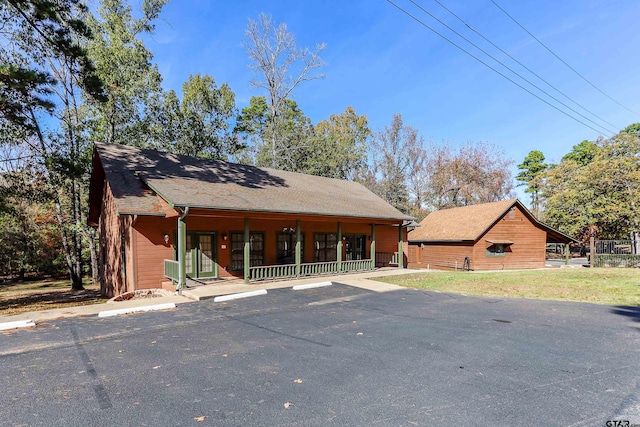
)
(469, 223)
(139, 178)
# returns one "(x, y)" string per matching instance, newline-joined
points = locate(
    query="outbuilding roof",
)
(469, 223)
(139, 178)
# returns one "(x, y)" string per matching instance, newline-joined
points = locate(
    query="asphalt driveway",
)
(330, 356)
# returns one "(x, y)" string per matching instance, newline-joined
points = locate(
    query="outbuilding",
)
(488, 236)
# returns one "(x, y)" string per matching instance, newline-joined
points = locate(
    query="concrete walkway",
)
(360, 280)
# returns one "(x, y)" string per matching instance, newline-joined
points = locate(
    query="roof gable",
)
(467, 223)
(470, 223)
(137, 175)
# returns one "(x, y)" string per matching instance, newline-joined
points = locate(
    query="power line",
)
(524, 66)
(508, 68)
(489, 66)
(561, 60)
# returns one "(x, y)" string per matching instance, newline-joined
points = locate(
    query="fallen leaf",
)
(299, 380)
(359, 333)
(156, 367)
(153, 342)
(224, 355)
(287, 405)
(200, 419)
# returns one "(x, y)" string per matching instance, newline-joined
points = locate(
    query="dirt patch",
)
(44, 294)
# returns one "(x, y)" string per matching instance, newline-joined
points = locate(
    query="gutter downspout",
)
(134, 251)
(182, 250)
(400, 250)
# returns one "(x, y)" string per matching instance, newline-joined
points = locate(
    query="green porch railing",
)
(319, 268)
(171, 269)
(264, 272)
(357, 265)
(286, 271)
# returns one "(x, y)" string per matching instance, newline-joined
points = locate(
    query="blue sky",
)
(380, 61)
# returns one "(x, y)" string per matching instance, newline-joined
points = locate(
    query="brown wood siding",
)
(527, 250)
(112, 281)
(441, 256)
(415, 256)
(151, 251)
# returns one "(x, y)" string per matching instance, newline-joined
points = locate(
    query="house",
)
(487, 236)
(163, 217)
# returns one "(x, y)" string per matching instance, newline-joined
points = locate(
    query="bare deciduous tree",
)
(280, 67)
(394, 152)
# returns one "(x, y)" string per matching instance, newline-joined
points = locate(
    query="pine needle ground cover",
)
(611, 286)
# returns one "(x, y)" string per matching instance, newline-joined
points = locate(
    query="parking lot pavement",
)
(336, 355)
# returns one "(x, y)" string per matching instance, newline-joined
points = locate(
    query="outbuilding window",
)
(496, 249)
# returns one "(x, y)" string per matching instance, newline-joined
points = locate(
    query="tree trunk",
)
(76, 281)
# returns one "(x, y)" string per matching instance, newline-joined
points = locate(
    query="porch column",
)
(373, 245)
(339, 247)
(182, 250)
(298, 248)
(400, 253)
(567, 253)
(247, 251)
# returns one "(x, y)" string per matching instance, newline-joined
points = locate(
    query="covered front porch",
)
(267, 246)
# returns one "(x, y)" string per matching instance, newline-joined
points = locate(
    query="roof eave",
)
(440, 241)
(124, 212)
(290, 212)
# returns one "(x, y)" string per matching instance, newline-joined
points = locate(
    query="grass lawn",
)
(32, 295)
(611, 286)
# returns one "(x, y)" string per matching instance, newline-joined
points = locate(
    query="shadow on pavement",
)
(629, 311)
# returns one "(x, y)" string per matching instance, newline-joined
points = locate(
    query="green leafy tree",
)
(530, 172)
(338, 147)
(29, 238)
(295, 130)
(58, 134)
(200, 125)
(599, 198)
(633, 129)
(124, 64)
(33, 31)
(583, 153)
(48, 39)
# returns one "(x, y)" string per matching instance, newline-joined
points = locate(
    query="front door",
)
(201, 260)
(354, 247)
